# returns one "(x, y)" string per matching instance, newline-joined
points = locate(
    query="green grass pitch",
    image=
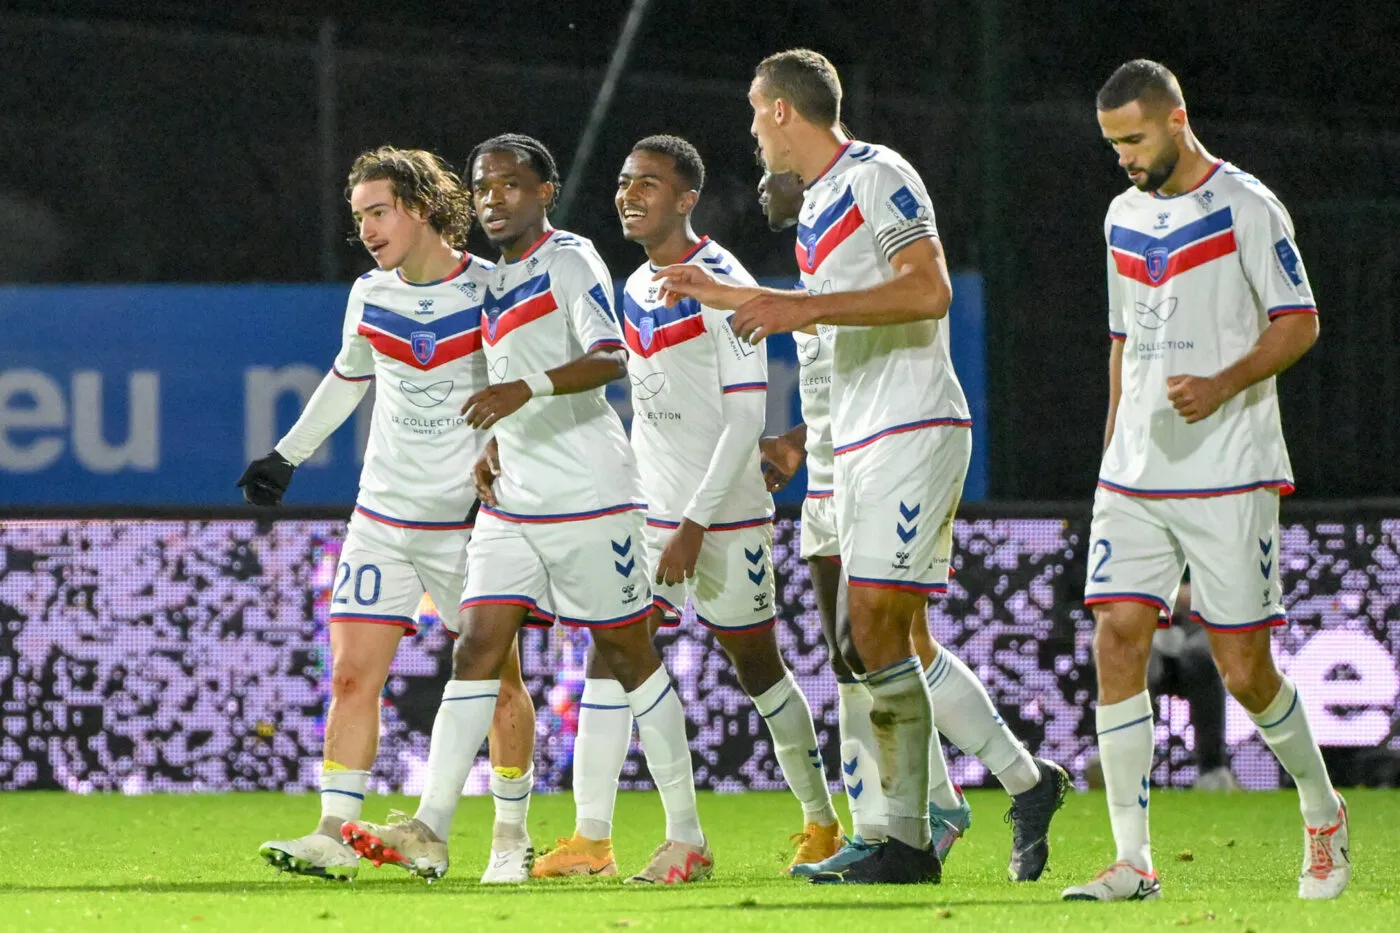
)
(158, 863)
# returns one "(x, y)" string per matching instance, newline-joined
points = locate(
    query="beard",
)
(1160, 170)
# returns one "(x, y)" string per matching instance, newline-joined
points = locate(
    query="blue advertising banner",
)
(159, 394)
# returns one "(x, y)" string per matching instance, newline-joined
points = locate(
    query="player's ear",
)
(1176, 120)
(547, 194)
(688, 201)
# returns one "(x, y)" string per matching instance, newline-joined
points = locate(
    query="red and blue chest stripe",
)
(1154, 261)
(648, 331)
(422, 344)
(833, 226)
(516, 307)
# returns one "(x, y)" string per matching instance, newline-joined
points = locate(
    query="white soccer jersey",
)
(1193, 280)
(814, 388)
(563, 457)
(421, 344)
(682, 362)
(867, 206)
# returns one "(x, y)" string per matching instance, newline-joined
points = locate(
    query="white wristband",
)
(540, 384)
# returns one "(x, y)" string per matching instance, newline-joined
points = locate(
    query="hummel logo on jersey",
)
(629, 593)
(425, 306)
(532, 265)
(1152, 317)
(1162, 221)
(901, 560)
(760, 602)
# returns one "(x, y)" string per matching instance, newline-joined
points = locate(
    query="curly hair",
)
(422, 182)
(527, 149)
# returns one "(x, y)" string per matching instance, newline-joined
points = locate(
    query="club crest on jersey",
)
(492, 315)
(424, 343)
(646, 330)
(1156, 257)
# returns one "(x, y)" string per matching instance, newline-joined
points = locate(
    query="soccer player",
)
(414, 324)
(698, 401)
(873, 266)
(965, 711)
(1208, 302)
(560, 512)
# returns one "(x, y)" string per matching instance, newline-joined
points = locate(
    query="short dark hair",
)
(526, 148)
(807, 80)
(686, 157)
(1144, 80)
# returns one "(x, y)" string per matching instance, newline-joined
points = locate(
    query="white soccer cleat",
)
(510, 865)
(407, 843)
(316, 855)
(1121, 881)
(1326, 859)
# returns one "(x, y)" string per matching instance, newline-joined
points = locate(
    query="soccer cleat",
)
(1030, 816)
(894, 862)
(316, 855)
(1326, 859)
(1121, 881)
(676, 863)
(575, 857)
(948, 826)
(815, 843)
(407, 843)
(509, 862)
(854, 849)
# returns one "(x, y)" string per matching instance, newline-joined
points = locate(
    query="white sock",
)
(463, 719)
(512, 798)
(903, 720)
(967, 717)
(859, 769)
(661, 729)
(1125, 749)
(342, 796)
(1284, 726)
(941, 792)
(600, 748)
(789, 718)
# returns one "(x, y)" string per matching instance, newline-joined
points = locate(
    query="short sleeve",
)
(743, 367)
(583, 288)
(1272, 264)
(355, 361)
(894, 204)
(1116, 329)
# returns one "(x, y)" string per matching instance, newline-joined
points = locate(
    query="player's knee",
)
(352, 678)
(1121, 651)
(758, 671)
(1251, 678)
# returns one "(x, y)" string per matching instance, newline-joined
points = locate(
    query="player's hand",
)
(678, 557)
(493, 403)
(1195, 397)
(687, 281)
(488, 467)
(769, 314)
(266, 479)
(781, 460)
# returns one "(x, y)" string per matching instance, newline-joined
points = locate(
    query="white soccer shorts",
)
(1139, 547)
(733, 587)
(588, 572)
(895, 503)
(818, 527)
(385, 569)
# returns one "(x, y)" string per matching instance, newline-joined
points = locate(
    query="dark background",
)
(208, 143)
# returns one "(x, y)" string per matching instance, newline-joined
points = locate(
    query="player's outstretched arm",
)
(595, 368)
(921, 290)
(1281, 345)
(267, 478)
(688, 281)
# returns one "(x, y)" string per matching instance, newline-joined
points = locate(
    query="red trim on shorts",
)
(665, 605)
(756, 627)
(902, 585)
(1266, 622)
(1146, 599)
(608, 623)
(409, 625)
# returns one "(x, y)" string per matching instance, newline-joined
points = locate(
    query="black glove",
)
(266, 479)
